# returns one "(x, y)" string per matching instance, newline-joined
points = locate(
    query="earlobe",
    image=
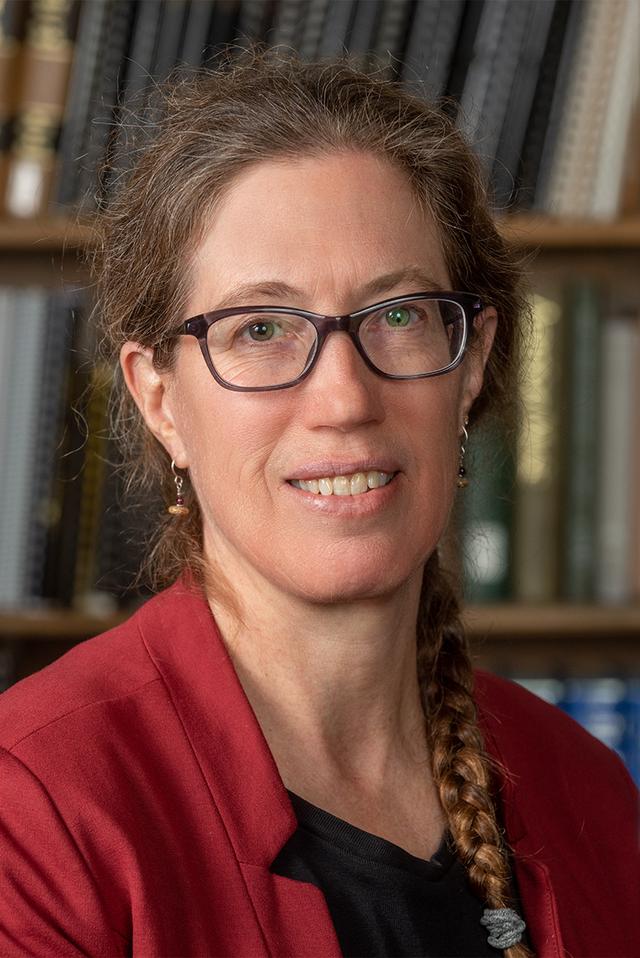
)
(148, 388)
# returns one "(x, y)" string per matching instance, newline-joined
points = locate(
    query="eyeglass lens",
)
(270, 349)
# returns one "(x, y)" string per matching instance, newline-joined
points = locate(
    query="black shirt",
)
(382, 900)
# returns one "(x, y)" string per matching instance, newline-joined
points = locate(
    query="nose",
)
(341, 391)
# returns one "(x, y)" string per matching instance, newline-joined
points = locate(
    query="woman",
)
(287, 752)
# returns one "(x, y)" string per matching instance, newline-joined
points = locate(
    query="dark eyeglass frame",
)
(350, 323)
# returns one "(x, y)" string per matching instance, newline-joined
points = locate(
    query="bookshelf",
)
(541, 233)
(525, 636)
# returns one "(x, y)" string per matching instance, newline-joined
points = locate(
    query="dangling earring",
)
(179, 509)
(462, 472)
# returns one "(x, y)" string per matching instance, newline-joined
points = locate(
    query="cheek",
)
(229, 443)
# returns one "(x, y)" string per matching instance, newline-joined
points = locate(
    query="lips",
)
(331, 468)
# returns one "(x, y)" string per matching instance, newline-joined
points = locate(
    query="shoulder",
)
(101, 670)
(539, 743)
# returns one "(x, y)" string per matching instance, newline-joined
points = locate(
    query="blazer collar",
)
(183, 641)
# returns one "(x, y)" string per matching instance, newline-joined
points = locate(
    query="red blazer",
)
(140, 809)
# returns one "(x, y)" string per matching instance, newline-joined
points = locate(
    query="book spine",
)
(581, 440)
(196, 32)
(573, 173)
(618, 426)
(487, 513)
(431, 45)
(531, 41)
(553, 124)
(536, 519)
(312, 30)
(170, 36)
(92, 485)
(46, 64)
(598, 705)
(12, 28)
(44, 508)
(289, 23)
(81, 101)
(604, 199)
(390, 35)
(336, 28)
(19, 445)
(62, 527)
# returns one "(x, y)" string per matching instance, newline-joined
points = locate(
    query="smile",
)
(351, 485)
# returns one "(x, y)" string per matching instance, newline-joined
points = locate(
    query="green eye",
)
(261, 332)
(398, 317)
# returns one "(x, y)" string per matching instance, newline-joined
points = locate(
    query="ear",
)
(151, 394)
(476, 359)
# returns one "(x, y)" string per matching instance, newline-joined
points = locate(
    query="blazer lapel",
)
(183, 640)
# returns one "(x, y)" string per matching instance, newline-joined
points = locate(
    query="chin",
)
(351, 586)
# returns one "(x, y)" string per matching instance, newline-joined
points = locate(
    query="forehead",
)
(325, 225)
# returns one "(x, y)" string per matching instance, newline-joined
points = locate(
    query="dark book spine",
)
(536, 131)
(532, 43)
(431, 45)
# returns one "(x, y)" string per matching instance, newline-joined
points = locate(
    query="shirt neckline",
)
(369, 847)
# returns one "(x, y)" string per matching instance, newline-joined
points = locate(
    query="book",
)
(604, 199)
(312, 28)
(530, 41)
(363, 29)
(617, 457)
(390, 36)
(172, 26)
(44, 509)
(431, 44)
(288, 23)
(13, 19)
(537, 495)
(606, 705)
(196, 32)
(581, 438)
(573, 171)
(336, 28)
(548, 92)
(490, 74)
(96, 82)
(44, 76)
(487, 514)
(27, 316)
(224, 25)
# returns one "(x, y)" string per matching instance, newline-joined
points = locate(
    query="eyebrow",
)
(244, 293)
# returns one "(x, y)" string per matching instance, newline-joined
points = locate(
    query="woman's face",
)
(323, 230)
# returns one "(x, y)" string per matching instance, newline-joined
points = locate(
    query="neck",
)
(334, 686)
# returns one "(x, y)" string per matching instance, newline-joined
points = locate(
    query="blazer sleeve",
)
(49, 902)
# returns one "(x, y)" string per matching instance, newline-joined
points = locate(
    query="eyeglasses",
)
(256, 348)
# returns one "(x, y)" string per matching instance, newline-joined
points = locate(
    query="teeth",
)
(358, 484)
(353, 485)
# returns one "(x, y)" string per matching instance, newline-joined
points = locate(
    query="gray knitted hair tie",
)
(505, 926)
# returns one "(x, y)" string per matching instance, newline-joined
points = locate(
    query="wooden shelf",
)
(53, 234)
(493, 623)
(54, 625)
(526, 231)
(548, 623)
(546, 233)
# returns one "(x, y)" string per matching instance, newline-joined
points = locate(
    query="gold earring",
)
(179, 509)
(462, 472)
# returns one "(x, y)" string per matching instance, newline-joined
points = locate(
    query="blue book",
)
(598, 704)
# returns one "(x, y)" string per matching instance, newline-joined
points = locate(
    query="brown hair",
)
(206, 128)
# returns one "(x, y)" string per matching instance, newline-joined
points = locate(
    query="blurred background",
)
(547, 534)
